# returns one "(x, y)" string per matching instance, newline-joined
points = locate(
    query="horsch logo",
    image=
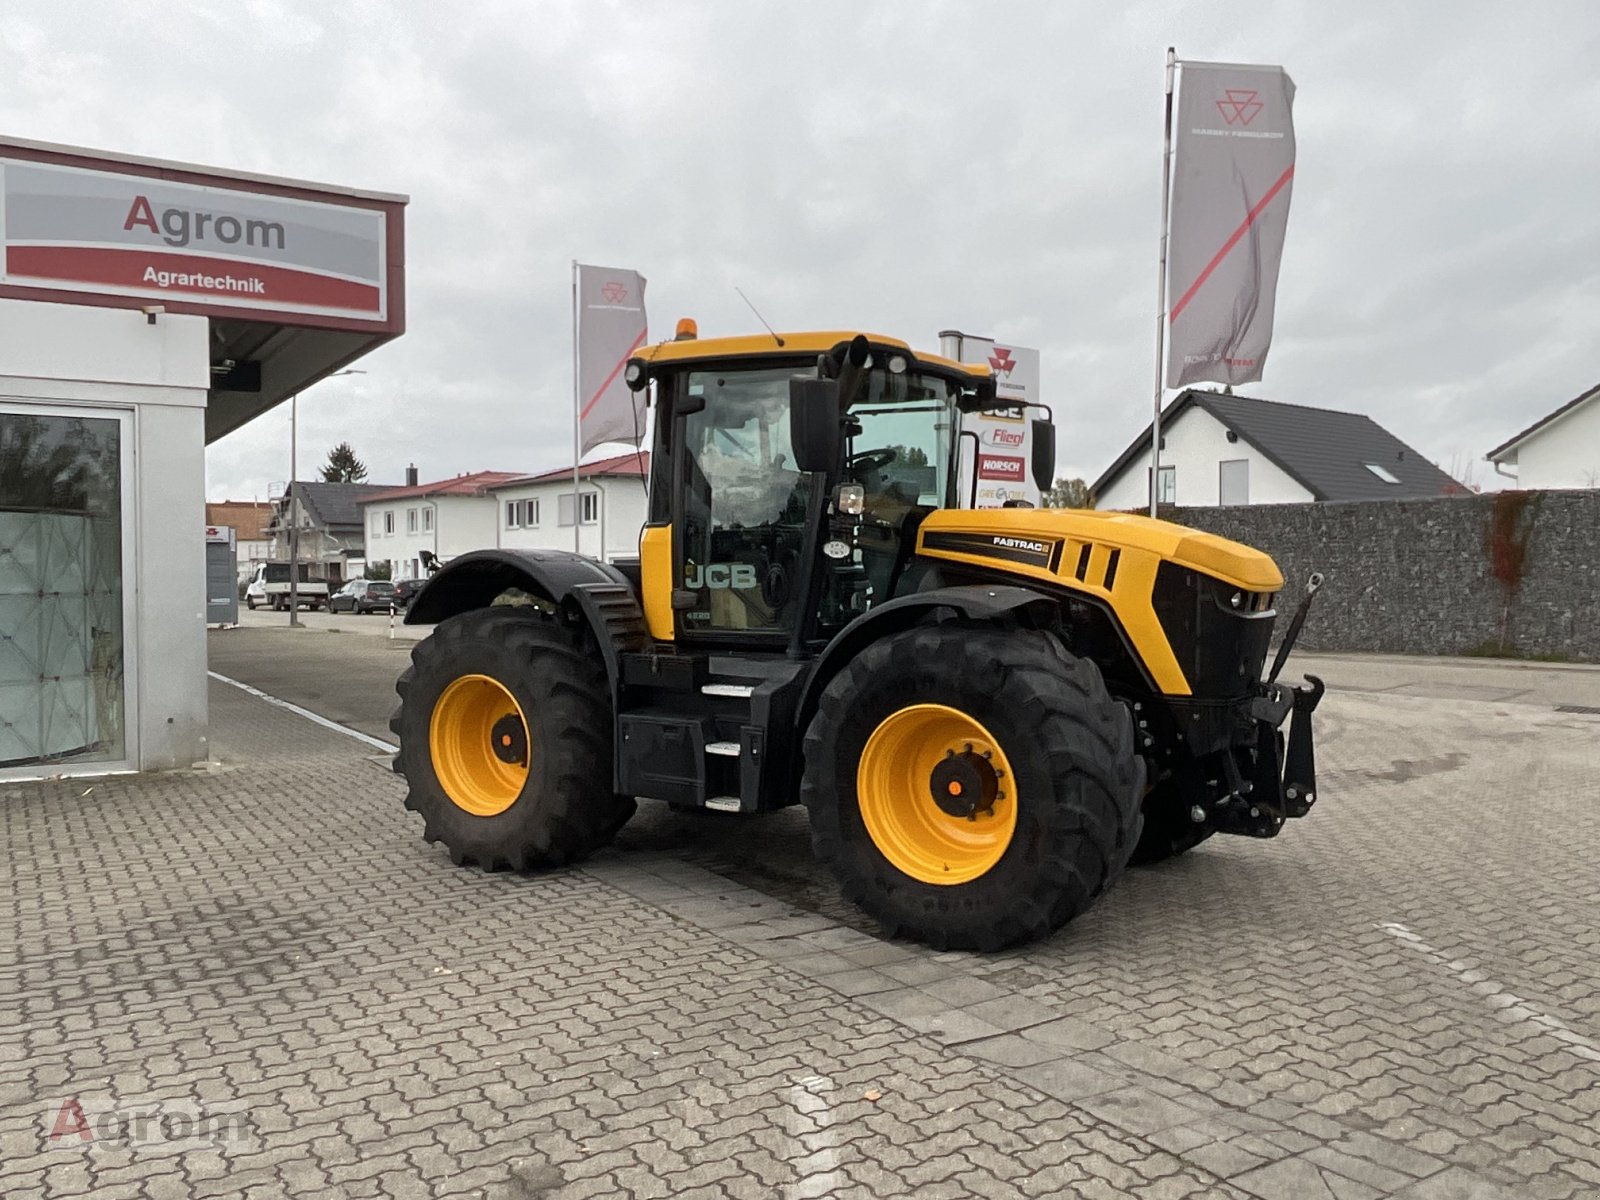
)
(1001, 466)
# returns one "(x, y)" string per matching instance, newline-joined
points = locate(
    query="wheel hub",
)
(964, 784)
(509, 740)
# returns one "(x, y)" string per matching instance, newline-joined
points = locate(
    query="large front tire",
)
(924, 718)
(505, 728)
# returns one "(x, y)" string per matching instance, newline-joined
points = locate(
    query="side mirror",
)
(1044, 454)
(985, 396)
(814, 423)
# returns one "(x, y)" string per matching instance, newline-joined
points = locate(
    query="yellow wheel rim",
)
(937, 794)
(478, 739)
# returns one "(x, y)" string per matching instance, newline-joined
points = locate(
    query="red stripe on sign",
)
(1249, 220)
(621, 362)
(159, 274)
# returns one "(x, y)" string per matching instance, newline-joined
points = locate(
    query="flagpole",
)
(1161, 288)
(577, 420)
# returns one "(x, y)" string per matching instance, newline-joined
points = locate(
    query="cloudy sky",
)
(901, 168)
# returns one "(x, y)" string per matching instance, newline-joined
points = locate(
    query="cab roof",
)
(765, 345)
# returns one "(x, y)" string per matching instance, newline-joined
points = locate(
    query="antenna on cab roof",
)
(759, 317)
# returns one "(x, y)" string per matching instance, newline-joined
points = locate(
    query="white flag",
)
(611, 329)
(1233, 174)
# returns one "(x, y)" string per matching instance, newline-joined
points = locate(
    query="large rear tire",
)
(1011, 722)
(505, 728)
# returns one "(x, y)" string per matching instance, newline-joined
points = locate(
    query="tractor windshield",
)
(901, 438)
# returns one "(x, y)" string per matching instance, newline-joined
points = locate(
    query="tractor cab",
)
(789, 479)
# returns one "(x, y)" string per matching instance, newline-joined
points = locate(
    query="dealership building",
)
(147, 308)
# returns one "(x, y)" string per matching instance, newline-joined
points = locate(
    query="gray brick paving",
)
(270, 934)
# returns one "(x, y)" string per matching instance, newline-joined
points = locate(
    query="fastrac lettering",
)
(181, 226)
(210, 283)
(1016, 543)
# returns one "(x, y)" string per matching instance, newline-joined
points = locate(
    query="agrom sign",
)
(68, 228)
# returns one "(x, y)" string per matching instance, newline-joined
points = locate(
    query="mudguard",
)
(473, 580)
(974, 602)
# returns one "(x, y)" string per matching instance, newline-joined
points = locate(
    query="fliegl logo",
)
(1005, 439)
(718, 576)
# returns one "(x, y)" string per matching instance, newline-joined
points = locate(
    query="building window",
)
(377, 523)
(388, 522)
(530, 513)
(589, 507)
(411, 520)
(1233, 481)
(1382, 473)
(513, 511)
(427, 520)
(1166, 486)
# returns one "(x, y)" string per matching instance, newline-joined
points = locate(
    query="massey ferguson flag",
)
(74, 229)
(611, 329)
(1233, 173)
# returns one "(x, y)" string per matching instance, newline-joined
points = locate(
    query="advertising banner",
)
(1233, 167)
(72, 229)
(1005, 437)
(611, 329)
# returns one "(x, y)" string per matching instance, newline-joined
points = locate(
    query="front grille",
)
(1220, 648)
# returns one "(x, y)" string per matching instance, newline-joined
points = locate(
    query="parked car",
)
(405, 591)
(270, 586)
(363, 596)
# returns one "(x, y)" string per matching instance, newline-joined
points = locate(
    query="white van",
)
(270, 586)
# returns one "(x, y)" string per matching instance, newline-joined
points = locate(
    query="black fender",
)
(473, 580)
(581, 590)
(972, 602)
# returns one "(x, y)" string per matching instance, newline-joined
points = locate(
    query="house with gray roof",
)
(330, 523)
(1218, 449)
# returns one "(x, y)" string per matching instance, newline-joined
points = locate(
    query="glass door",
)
(65, 557)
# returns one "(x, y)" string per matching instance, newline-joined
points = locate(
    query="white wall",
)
(1196, 444)
(461, 523)
(1565, 453)
(74, 354)
(621, 514)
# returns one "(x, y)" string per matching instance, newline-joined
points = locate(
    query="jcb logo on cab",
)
(719, 575)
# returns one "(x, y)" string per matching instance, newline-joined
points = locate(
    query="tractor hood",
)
(1114, 557)
(1078, 543)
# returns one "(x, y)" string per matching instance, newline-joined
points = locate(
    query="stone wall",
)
(1419, 576)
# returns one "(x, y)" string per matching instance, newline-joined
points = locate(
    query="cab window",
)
(744, 510)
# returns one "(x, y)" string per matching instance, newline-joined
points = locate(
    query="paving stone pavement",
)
(1396, 1000)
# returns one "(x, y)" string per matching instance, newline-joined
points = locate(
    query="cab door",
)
(740, 508)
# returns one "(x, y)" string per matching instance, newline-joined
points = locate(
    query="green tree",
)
(910, 456)
(1068, 493)
(382, 569)
(343, 466)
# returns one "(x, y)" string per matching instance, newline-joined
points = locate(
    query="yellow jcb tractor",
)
(987, 714)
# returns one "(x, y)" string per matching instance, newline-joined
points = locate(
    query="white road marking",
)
(307, 714)
(1508, 1005)
(821, 1140)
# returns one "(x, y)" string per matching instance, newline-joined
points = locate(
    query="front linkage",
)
(1282, 780)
